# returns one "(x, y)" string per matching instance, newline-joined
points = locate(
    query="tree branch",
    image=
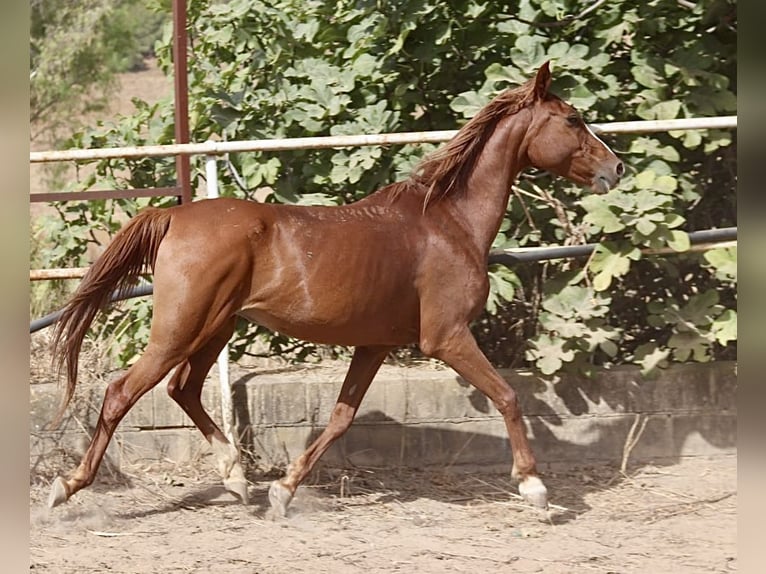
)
(566, 20)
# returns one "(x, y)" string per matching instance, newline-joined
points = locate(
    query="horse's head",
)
(560, 141)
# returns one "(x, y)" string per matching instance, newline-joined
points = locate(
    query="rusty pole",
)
(181, 92)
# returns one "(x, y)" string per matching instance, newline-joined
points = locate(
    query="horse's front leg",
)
(459, 350)
(364, 366)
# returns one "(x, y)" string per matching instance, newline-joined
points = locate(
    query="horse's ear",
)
(543, 81)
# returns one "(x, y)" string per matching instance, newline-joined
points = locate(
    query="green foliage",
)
(573, 318)
(694, 324)
(45, 296)
(76, 48)
(289, 68)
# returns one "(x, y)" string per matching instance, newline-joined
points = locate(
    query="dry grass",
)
(96, 361)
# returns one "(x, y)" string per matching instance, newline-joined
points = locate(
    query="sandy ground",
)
(679, 518)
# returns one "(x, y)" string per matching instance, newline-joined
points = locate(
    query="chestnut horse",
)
(407, 264)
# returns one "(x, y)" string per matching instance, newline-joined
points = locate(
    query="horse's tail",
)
(133, 248)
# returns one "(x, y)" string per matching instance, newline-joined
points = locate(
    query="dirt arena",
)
(680, 518)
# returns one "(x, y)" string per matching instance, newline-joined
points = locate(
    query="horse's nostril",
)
(620, 169)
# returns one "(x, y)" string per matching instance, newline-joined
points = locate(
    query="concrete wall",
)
(417, 417)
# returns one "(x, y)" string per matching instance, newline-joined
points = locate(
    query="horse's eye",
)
(573, 119)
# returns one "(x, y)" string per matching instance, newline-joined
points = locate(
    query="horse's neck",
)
(482, 205)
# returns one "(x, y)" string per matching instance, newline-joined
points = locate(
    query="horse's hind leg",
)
(120, 396)
(185, 387)
(364, 365)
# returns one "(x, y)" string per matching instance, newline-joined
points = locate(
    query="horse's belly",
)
(347, 331)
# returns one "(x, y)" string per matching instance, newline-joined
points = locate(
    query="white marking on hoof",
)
(236, 483)
(534, 492)
(58, 493)
(226, 457)
(279, 498)
(238, 487)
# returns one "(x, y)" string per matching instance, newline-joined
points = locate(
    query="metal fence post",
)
(227, 408)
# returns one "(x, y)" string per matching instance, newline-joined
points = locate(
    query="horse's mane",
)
(447, 169)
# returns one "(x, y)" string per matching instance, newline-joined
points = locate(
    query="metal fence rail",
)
(212, 147)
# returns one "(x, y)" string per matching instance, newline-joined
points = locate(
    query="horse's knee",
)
(508, 404)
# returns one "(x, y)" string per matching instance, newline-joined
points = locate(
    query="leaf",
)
(467, 104)
(724, 327)
(317, 199)
(672, 220)
(364, 65)
(724, 262)
(603, 279)
(609, 347)
(689, 345)
(496, 72)
(528, 52)
(610, 261)
(646, 226)
(666, 110)
(600, 215)
(646, 200)
(558, 50)
(647, 76)
(443, 33)
(678, 240)
(645, 179)
(475, 9)
(614, 34)
(566, 328)
(549, 354)
(601, 337)
(701, 308)
(666, 184)
(651, 147)
(404, 32)
(690, 138)
(575, 302)
(503, 283)
(581, 97)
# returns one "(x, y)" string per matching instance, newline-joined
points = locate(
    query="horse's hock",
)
(419, 416)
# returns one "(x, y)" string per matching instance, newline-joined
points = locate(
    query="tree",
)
(75, 49)
(285, 68)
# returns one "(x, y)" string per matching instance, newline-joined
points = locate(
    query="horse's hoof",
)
(238, 487)
(279, 498)
(534, 492)
(58, 493)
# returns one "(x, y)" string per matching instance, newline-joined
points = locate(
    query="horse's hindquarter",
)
(203, 264)
(335, 275)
